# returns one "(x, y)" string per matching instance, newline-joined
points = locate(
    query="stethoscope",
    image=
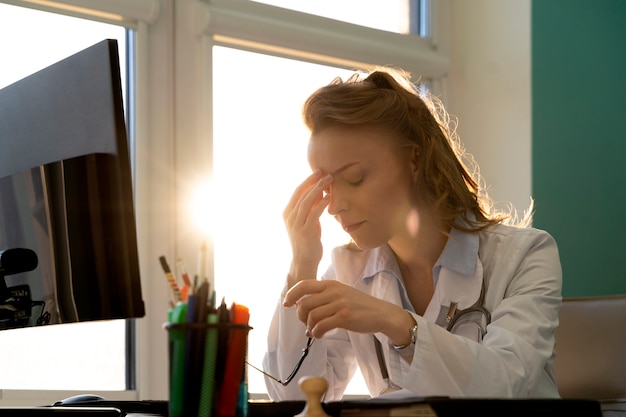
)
(454, 314)
(390, 386)
(452, 318)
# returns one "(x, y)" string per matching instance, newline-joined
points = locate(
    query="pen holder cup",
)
(207, 376)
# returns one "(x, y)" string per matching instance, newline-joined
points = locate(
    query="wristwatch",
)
(408, 349)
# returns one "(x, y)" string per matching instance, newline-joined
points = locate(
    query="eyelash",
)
(356, 183)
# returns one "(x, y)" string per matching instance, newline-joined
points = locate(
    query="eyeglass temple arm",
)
(305, 352)
(291, 376)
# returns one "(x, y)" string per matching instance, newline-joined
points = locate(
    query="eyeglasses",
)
(296, 368)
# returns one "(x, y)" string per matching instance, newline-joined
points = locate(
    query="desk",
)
(613, 408)
(443, 407)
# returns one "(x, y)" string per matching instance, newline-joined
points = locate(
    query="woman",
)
(437, 293)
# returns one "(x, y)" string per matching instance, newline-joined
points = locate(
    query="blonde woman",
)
(436, 293)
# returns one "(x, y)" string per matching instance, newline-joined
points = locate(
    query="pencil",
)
(170, 279)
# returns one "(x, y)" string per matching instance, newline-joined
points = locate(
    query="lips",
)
(349, 228)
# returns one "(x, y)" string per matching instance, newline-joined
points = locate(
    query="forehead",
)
(336, 146)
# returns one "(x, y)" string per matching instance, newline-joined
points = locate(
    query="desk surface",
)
(442, 407)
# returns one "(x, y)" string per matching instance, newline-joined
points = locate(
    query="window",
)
(259, 156)
(259, 146)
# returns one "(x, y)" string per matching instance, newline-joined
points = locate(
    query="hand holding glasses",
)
(454, 319)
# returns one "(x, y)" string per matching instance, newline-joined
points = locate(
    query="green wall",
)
(579, 138)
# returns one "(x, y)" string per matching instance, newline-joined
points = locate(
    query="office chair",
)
(591, 348)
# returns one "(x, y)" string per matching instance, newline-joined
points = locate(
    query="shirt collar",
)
(460, 253)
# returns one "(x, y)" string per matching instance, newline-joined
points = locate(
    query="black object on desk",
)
(60, 411)
(98, 408)
(126, 407)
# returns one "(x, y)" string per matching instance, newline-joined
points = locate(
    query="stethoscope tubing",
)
(478, 306)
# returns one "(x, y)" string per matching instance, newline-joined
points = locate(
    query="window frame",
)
(130, 14)
(262, 28)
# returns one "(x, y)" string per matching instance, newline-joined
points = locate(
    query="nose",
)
(337, 203)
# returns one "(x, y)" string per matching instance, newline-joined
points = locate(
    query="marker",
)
(170, 279)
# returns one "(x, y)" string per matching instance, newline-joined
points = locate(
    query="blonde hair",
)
(447, 178)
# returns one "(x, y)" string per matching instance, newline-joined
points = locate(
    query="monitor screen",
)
(66, 195)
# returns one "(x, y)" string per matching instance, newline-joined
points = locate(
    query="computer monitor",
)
(66, 194)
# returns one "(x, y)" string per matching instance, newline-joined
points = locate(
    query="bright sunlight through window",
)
(260, 148)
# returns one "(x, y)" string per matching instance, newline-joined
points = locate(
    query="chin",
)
(365, 244)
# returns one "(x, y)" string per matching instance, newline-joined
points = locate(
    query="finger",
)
(306, 196)
(314, 202)
(301, 189)
(321, 319)
(301, 289)
(315, 212)
(312, 308)
(297, 211)
(318, 329)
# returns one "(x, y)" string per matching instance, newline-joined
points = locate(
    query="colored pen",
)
(170, 279)
(212, 299)
(197, 312)
(177, 315)
(208, 386)
(191, 390)
(222, 345)
(186, 280)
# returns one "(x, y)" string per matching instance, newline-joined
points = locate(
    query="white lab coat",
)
(522, 276)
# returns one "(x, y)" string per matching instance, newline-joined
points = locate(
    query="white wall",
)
(489, 90)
